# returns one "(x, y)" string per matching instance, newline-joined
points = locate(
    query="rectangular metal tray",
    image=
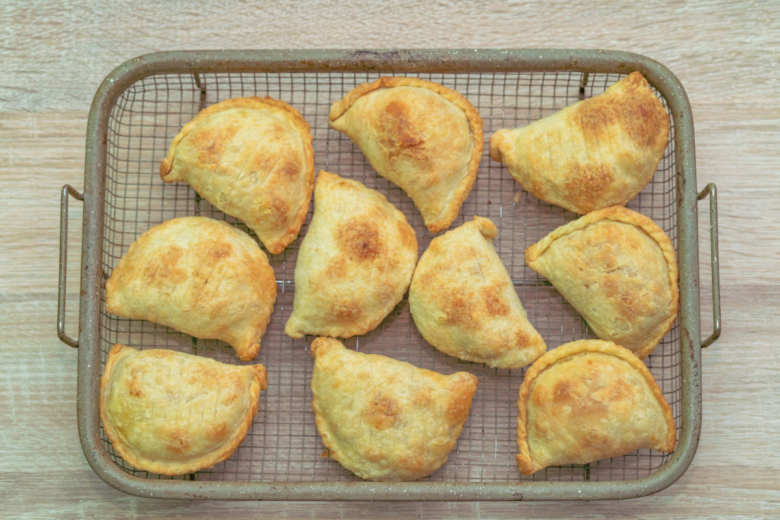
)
(143, 104)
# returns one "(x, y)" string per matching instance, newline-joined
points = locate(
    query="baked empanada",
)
(420, 135)
(253, 159)
(355, 262)
(172, 413)
(384, 419)
(464, 303)
(617, 268)
(597, 153)
(589, 400)
(199, 276)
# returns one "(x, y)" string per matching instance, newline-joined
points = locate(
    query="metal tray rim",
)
(456, 60)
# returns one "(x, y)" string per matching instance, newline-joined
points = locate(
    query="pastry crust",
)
(355, 262)
(596, 153)
(383, 419)
(253, 159)
(172, 413)
(618, 269)
(420, 135)
(464, 303)
(199, 276)
(588, 400)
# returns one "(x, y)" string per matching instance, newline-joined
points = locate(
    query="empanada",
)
(200, 276)
(253, 159)
(597, 153)
(355, 262)
(589, 400)
(420, 135)
(464, 304)
(384, 419)
(173, 413)
(617, 268)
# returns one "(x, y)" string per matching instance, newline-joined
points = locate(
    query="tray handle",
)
(712, 191)
(67, 191)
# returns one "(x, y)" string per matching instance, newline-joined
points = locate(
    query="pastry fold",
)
(253, 159)
(597, 153)
(355, 262)
(172, 413)
(199, 276)
(618, 269)
(424, 137)
(589, 400)
(464, 303)
(383, 419)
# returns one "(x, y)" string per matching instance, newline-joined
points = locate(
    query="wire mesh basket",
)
(283, 446)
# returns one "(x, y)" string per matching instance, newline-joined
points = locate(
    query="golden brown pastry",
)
(589, 400)
(172, 413)
(597, 153)
(420, 135)
(464, 303)
(199, 276)
(383, 419)
(617, 268)
(355, 262)
(253, 159)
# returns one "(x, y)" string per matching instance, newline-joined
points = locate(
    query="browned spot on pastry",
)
(460, 394)
(495, 303)
(276, 132)
(522, 338)
(218, 432)
(276, 207)
(134, 385)
(641, 115)
(346, 311)
(406, 235)
(460, 309)
(599, 443)
(423, 397)
(336, 269)
(291, 167)
(360, 240)
(595, 118)
(618, 390)
(220, 250)
(577, 396)
(563, 393)
(165, 269)
(398, 132)
(382, 411)
(587, 182)
(212, 142)
(414, 463)
(625, 300)
(178, 440)
(374, 454)
(641, 121)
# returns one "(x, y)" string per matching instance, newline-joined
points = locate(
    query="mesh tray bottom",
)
(283, 444)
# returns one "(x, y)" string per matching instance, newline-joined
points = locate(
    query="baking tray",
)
(143, 103)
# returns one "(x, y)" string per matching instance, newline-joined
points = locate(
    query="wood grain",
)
(54, 55)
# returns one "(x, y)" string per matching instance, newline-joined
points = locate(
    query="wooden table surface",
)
(54, 54)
